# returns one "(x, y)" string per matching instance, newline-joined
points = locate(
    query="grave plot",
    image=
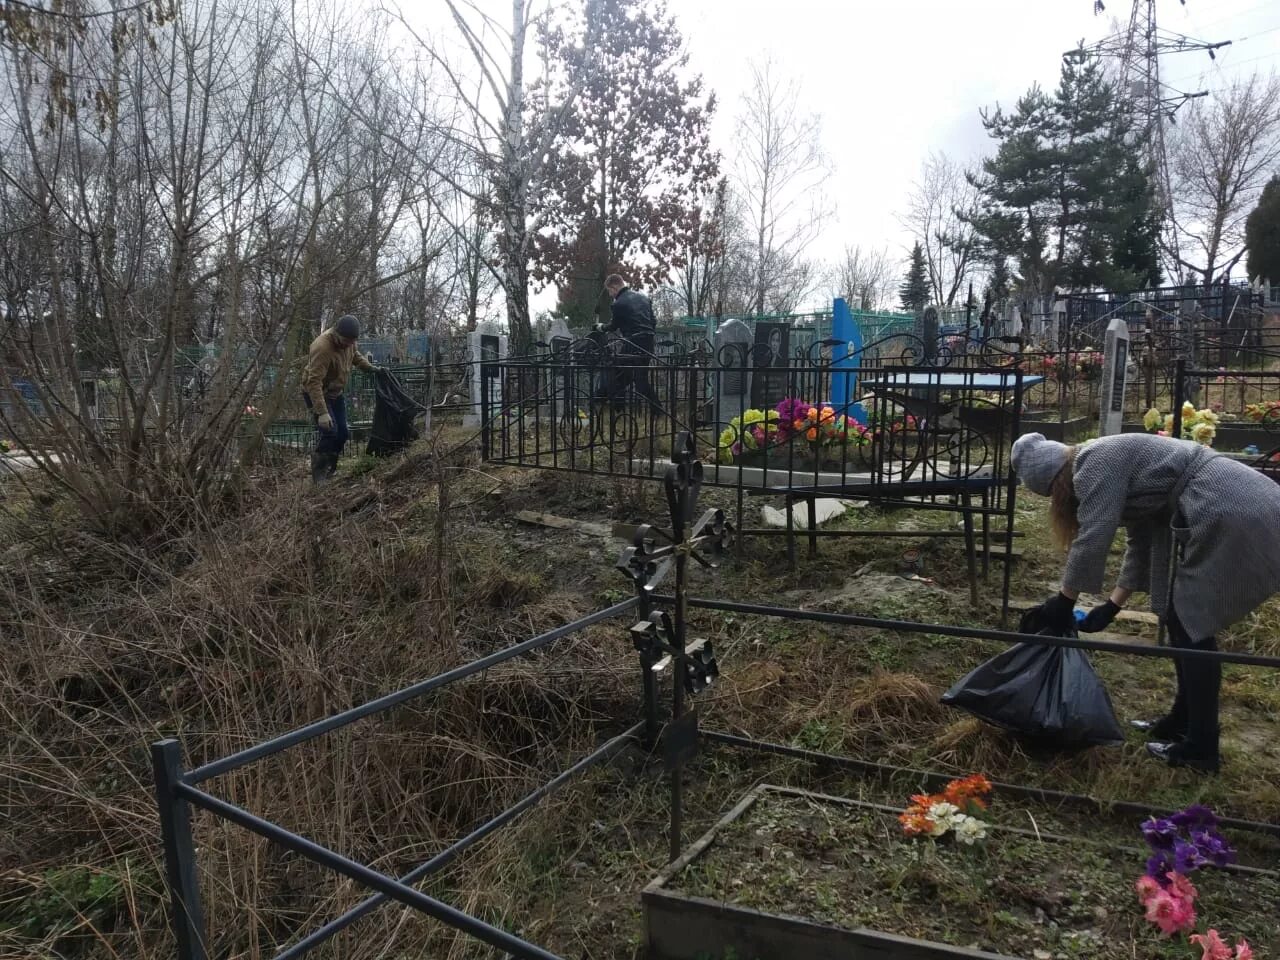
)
(794, 873)
(802, 428)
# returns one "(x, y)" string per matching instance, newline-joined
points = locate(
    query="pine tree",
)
(1064, 197)
(1262, 235)
(914, 292)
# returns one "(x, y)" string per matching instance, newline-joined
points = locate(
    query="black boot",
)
(1201, 683)
(1172, 727)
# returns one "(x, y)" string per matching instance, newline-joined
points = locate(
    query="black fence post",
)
(187, 916)
(1179, 396)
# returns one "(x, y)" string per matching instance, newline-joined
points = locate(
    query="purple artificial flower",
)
(1196, 815)
(736, 449)
(791, 409)
(1160, 833)
(1158, 869)
(1186, 857)
(1213, 847)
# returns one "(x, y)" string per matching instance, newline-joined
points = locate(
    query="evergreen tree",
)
(914, 292)
(1064, 197)
(1262, 235)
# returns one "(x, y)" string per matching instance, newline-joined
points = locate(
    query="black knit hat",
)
(348, 327)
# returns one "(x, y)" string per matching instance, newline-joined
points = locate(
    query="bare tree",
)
(939, 215)
(1225, 150)
(779, 171)
(865, 278)
(167, 251)
(510, 127)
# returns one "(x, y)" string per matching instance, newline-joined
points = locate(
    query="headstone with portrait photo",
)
(769, 362)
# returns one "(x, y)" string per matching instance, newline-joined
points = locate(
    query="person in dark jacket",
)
(631, 315)
(1221, 516)
(329, 363)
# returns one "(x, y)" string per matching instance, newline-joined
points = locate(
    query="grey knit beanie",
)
(348, 327)
(1037, 461)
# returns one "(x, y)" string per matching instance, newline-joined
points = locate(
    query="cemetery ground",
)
(295, 606)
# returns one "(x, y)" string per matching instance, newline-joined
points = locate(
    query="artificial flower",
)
(1147, 888)
(1243, 950)
(1186, 857)
(1212, 944)
(1180, 886)
(1196, 815)
(969, 830)
(1203, 433)
(1160, 833)
(1171, 914)
(942, 810)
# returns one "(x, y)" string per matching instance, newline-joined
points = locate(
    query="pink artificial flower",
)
(1162, 433)
(1147, 888)
(1243, 950)
(1181, 887)
(1212, 945)
(1171, 914)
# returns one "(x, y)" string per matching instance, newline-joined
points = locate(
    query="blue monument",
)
(845, 355)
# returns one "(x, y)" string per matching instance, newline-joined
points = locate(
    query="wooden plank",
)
(564, 523)
(688, 928)
(998, 550)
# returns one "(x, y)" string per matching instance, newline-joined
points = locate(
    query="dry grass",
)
(306, 605)
(303, 607)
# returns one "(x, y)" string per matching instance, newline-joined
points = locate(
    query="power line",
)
(1218, 67)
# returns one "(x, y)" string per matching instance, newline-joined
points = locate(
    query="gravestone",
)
(769, 363)
(847, 355)
(484, 352)
(1115, 369)
(559, 330)
(733, 363)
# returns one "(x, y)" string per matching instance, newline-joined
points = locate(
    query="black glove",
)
(1058, 613)
(1099, 618)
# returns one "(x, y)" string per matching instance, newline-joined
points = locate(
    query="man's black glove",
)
(1099, 618)
(1057, 613)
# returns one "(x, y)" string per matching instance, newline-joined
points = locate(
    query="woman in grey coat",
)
(1222, 516)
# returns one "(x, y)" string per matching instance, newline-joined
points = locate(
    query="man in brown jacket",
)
(329, 364)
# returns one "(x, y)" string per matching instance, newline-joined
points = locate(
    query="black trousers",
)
(632, 371)
(1194, 713)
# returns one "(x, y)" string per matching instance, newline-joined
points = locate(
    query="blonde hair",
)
(1064, 507)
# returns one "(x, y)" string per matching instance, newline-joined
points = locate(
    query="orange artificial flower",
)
(812, 433)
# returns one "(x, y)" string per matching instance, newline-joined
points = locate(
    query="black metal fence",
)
(1253, 434)
(660, 638)
(887, 430)
(1219, 303)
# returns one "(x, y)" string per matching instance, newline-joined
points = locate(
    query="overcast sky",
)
(896, 79)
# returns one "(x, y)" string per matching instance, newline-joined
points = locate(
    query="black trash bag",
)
(393, 414)
(1047, 694)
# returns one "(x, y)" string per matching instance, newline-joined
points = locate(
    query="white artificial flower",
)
(943, 816)
(970, 829)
